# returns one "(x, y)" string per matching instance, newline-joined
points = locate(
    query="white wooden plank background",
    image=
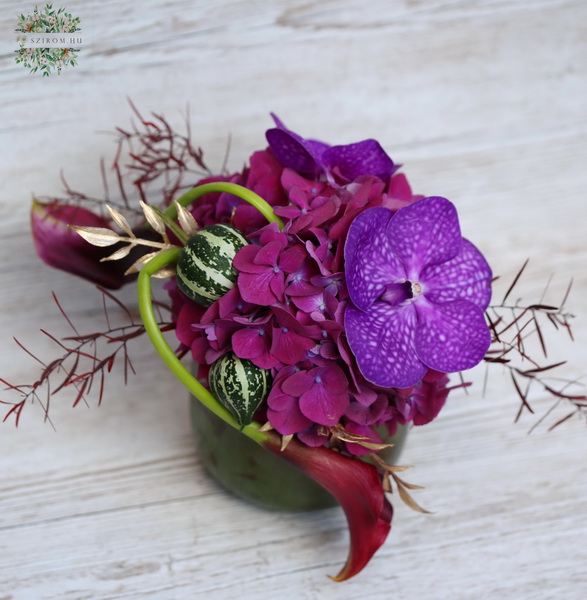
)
(484, 102)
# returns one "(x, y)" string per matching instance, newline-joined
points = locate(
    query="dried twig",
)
(84, 357)
(512, 327)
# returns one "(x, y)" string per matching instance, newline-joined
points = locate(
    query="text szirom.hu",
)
(50, 40)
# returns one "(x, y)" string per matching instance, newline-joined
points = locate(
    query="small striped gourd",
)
(239, 385)
(204, 268)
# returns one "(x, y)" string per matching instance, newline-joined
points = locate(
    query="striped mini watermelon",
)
(204, 269)
(239, 385)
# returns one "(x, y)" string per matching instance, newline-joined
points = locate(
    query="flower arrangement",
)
(325, 303)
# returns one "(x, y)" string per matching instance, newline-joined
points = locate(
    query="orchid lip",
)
(401, 293)
(416, 289)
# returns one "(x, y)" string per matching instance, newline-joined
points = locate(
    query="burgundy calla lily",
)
(357, 487)
(61, 247)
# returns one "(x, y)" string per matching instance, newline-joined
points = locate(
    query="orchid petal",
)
(369, 260)
(451, 337)
(292, 152)
(382, 341)
(426, 232)
(314, 147)
(317, 149)
(465, 277)
(361, 158)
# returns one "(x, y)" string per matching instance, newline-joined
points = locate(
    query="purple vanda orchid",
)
(418, 291)
(313, 158)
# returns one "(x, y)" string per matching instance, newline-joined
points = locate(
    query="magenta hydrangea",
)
(358, 306)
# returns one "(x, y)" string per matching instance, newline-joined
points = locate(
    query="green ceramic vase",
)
(253, 473)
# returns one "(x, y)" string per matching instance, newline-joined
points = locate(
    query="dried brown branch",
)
(152, 163)
(514, 327)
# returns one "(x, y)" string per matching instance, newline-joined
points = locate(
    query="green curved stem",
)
(167, 354)
(146, 305)
(231, 188)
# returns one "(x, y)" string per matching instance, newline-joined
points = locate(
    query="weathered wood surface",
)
(485, 103)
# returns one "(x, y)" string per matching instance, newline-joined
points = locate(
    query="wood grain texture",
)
(483, 102)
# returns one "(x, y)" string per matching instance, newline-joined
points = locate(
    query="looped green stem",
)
(148, 315)
(230, 188)
(167, 354)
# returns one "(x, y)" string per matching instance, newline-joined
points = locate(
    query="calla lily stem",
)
(146, 305)
(230, 188)
(167, 354)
